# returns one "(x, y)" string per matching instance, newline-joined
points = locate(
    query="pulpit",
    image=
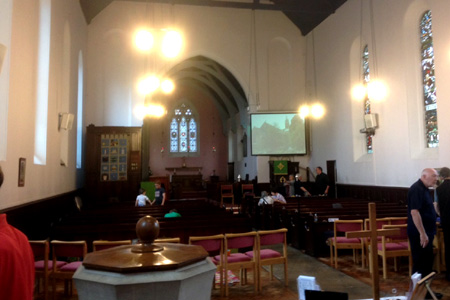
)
(160, 271)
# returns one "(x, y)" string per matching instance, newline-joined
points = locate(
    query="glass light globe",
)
(148, 85)
(171, 44)
(167, 86)
(359, 92)
(304, 111)
(377, 90)
(317, 111)
(155, 110)
(144, 40)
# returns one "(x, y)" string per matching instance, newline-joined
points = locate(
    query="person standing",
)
(142, 199)
(422, 222)
(16, 262)
(443, 198)
(322, 185)
(160, 194)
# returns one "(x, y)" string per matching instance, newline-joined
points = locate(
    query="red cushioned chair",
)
(42, 265)
(68, 250)
(341, 242)
(394, 246)
(213, 244)
(239, 261)
(268, 256)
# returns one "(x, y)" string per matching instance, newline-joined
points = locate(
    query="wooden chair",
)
(341, 242)
(68, 250)
(175, 240)
(226, 191)
(102, 245)
(380, 223)
(394, 246)
(247, 188)
(269, 256)
(213, 244)
(42, 265)
(239, 261)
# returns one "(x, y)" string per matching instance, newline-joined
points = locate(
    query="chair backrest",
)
(247, 188)
(102, 245)
(272, 237)
(40, 249)
(347, 225)
(380, 222)
(69, 249)
(209, 243)
(401, 237)
(226, 189)
(240, 240)
(398, 220)
(168, 240)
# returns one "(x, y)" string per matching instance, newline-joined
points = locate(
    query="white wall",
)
(51, 179)
(222, 34)
(399, 151)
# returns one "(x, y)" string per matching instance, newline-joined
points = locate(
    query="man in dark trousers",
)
(443, 197)
(422, 223)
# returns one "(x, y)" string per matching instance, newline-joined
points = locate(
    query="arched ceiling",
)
(214, 80)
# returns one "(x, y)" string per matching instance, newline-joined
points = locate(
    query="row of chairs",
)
(227, 192)
(241, 258)
(387, 246)
(57, 269)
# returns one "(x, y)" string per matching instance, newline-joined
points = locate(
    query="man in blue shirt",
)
(422, 222)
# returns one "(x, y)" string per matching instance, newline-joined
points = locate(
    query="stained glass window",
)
(183, 130)
(366, 80)
(429, 83)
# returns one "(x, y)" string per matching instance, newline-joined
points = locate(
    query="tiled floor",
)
(350, 278)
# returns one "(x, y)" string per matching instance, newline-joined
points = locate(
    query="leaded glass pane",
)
(183, 130)
(429, 81)
(174, 135)
(192, 135)
(366, 79)
(183, 135)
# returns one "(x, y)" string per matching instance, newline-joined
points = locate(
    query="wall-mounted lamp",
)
(65, 121)
(370, 124)
(214, 149)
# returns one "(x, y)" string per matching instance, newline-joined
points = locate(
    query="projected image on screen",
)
(277, 134)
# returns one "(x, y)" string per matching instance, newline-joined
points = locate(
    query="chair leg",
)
(331, 253)
(335, 258)
(286, 281)
(384, 267)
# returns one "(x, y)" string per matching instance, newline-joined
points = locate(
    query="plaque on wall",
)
(114, 153)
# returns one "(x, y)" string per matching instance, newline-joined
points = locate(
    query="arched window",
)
(366, 80)
(183, 130)
(429, 83)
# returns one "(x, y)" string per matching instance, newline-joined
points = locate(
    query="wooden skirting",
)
(373, 193)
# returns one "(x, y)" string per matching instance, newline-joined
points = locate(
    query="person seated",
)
(173, 213)
(277, 197)
(265, 199)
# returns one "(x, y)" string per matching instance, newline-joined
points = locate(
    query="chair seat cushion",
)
(71, 267)
(265, 253)
(215, 261)
(344, 240)
(39, 265)
(235, 257)
(393, 246)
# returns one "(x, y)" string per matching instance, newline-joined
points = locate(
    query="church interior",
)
(97, 102)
